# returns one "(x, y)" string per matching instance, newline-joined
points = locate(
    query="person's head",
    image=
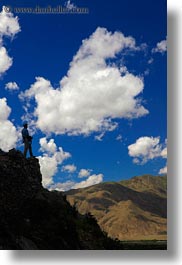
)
(25, 124)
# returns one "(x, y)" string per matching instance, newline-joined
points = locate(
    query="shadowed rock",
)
(32, 217)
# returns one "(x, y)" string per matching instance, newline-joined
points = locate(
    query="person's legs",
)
(26, 146)
(30, 149)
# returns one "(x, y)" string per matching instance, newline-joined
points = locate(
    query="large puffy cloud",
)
(93, 93)
(161, 47)
(50, 160)
(9, 27)
(8, 133)
(147, 148)
(91, 180)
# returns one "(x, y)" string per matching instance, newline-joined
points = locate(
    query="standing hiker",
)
(27, 140)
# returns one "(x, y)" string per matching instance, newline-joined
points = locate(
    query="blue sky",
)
(108, 114)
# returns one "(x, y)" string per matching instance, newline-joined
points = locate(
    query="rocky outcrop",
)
(32, 217)
(20, 180)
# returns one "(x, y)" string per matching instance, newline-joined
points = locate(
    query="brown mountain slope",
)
(148, 183)
(135, 209)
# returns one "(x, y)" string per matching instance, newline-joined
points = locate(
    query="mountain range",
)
(134, 209)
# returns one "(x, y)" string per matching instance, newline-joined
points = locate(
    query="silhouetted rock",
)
(32, 217)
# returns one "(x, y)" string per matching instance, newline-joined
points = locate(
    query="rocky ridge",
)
(32, 217)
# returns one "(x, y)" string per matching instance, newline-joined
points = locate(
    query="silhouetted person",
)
(27, 140)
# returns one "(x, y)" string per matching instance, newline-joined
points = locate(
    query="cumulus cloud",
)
(8, 133)
(9, 27)
(11, 86)
(93, 94)
(46, 146)
(161, 47)
(69, 168)
(91, 180)
(146, 148)
(84, 173)
(50, 160)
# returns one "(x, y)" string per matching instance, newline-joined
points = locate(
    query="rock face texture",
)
(32, 217)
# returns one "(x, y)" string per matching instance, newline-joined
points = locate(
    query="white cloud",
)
(164, 152)
(68, 185)
(123, 70)
(92, 180)
(46, 146)
(12, 86)
(146, 72)
(50, 161)
(84, 173)
(119, 138)
(9, 27)
(163, 170)
(100, 136)
(5, 61)
(93, 93)
(150, 61)
(161, 47)
(146, 148)
(8, 133)
(69, 168)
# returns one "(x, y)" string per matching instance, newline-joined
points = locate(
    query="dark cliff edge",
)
(32, 217)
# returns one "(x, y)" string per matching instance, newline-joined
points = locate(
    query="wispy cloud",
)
(69, 168)
(119, 138)
(68, 185)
